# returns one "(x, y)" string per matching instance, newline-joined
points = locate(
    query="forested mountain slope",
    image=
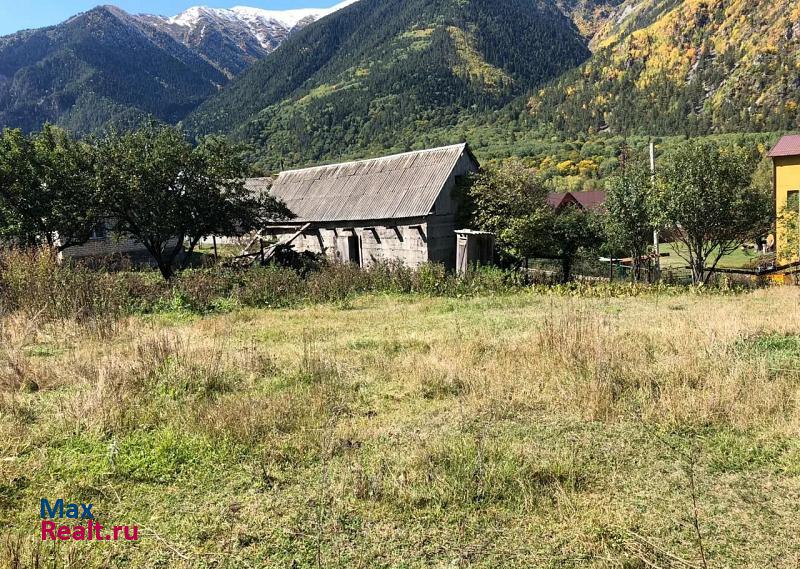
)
(99, 67)
(591, 16)
(106, 66)
(376, 74)
(701, 66)
(384, 75)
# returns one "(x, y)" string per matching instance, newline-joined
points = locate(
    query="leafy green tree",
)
(706, 196)
(630, 223)
(15, 176)
(168, 194)
(47, 189)
(510, 202)
(570, 230)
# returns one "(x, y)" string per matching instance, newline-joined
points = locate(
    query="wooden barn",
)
(395, 208)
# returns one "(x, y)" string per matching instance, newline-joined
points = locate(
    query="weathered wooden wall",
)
(378, 243)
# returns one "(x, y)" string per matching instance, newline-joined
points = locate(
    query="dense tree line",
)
(150, 184)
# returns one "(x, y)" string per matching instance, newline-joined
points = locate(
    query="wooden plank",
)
(246, 250)
(269, 253)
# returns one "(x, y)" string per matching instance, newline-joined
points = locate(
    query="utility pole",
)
(656, 242)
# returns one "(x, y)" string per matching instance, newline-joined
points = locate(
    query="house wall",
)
(405, 243)
(787, 179)
(442, 240)
(111, 246)
(442, 224)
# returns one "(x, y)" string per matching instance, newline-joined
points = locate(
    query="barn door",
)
(348, 249)
(354, 244)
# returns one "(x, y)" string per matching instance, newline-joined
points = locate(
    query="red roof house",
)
(786, 146)
(589, 201)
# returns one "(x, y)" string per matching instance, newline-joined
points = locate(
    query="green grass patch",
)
(739, 259)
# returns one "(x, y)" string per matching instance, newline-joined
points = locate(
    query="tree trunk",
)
(187, 258)
(698, 270)
(170, 262)
(566, 269)
(164, 265)
(166, 270)
(636, 268)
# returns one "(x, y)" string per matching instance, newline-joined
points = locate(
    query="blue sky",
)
(20, 14)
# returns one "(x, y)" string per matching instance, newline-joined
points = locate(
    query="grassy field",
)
(739, 259)
(525, 430)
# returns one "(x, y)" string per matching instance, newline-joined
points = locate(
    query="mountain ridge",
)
(78, 74)
(108, 67)
(346, 83)
(233, 39)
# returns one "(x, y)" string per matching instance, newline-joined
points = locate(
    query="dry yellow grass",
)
(521, 430)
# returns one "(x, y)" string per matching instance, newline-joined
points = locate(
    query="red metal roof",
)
(556, 199)
(590, 200)
(584, 200)
(787, 146)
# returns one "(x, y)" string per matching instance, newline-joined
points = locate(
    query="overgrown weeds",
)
(37, 284)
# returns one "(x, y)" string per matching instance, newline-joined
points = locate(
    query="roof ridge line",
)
(378, 158)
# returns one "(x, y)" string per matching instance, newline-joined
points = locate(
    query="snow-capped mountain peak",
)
(288, 19)
(233, 38)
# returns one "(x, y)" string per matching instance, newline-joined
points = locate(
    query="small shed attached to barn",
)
(474, 249)
(395, 208)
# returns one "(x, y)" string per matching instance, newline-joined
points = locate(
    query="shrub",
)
(142, 290)
(34, 281)
(302, 263)
(269, 287)
(201, 289)
(337, 282)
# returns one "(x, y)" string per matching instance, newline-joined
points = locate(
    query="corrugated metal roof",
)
(787, 146)
(399, 186)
